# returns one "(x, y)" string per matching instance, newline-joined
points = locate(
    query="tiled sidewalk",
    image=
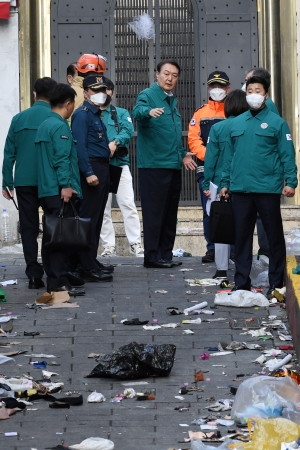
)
(70, 335)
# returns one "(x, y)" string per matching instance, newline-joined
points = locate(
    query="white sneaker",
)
(109, 251)
(137, 250)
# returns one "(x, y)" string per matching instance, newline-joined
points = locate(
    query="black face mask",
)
(107, 101)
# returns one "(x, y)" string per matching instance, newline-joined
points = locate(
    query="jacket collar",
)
(260, 116)
(216, 106)
(91, 107)
(42, 103)
(160, 92)
(57, 116)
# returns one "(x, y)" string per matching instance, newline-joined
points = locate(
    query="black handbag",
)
(67, 233)
(221, 222)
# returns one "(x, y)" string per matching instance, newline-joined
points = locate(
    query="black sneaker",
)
(269, 294)
(220, 274)
(209, 257)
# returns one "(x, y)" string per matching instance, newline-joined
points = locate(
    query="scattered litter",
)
(129, 393)
(7, 282)
(96, 397)
(191, 293)
(260, 271)
(134, 322)
(220, 353)
(188, 332)
(39, 364)
(40, 355)
(47, 374)
(93, 443)
(5, 359)
(272, 352)
(265, 397)
(31, 333)
(174, 311)
(197, 321)
(241, 299)
(225, 423)
(151, 327)
(185, 270)
(195, 308)
(136, 361)
(203, 282)
(199, 376)
(205, 356)
(275, 364)
(235, 345)
(10, 433)
(160, 291)
(279, 294)
(183, 425)
(5, 319)
(170, 325)
(260, 360)
(257, 333)
(135, 383)
(180, 252)
(179, 397)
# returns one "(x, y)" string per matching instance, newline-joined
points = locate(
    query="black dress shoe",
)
(220, 274)
(105, 267)
(35, 283)
(161, 264)
(95, 275)
(72, 291)
(74, 279)
(245, 287)
(174, 263)
(269, 294)
(209, 257)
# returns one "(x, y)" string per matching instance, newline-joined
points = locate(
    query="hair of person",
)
(61, 94)
(260, 72)
(71, 70)
(260, 80)
(43, 86)
(110, 85)
(235, 103)
(168, 61)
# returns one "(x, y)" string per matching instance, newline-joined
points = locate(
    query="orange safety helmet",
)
(91, 63)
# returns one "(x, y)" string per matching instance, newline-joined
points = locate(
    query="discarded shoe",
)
(31, 333)
(136, 321)
(174, 311)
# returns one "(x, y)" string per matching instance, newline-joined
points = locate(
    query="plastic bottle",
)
(5, 226)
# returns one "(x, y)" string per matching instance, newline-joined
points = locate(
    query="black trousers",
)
(92, 205)
(55, 262)
(28, 202)
(245, 209)
(160, 193)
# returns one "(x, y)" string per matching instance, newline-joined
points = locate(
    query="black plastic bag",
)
(134, 361)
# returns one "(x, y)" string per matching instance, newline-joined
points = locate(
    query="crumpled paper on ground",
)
(56, 300)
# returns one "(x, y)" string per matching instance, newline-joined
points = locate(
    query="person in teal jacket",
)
(58, 179)
(119, 131)
(20, 154)
(235, 104)
(160, 156)
(259, 166)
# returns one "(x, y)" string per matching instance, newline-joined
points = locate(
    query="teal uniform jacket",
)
(57, 157)
(159, 140)
(259, 155)
(20, 148)
(214, 156)
(271, 106)
(126, 131)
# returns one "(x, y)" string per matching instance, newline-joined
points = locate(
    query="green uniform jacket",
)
(126, 131)
(159, 140)
(259, 155)
(20, 149)
(215, 149)
(57, 157)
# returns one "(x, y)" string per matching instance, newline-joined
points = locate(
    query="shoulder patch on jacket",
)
(193, 122)
(289, 137)
(64, 137)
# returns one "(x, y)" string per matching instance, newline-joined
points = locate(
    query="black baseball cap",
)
(94, 82)
(218, 77)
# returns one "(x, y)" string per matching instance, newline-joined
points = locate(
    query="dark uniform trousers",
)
(160, 193)
(55, 262)
(92, 205)
(245, 209)
(28, 202)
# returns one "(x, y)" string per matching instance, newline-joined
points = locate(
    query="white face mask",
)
(98, 99)
(244, 87)
(217, 94)
(255, 101)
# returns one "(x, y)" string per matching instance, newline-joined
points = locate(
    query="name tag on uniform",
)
(289, 137)
(64, 137)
